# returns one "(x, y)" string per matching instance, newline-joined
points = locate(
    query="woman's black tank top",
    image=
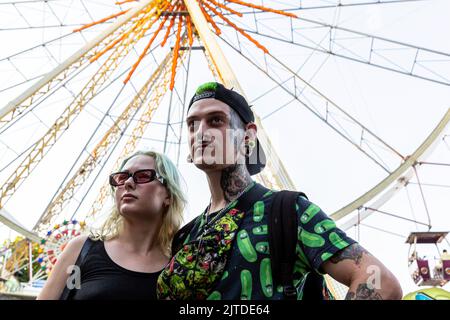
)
(102, 278)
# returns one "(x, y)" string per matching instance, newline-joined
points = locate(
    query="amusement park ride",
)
(191, 25)
(426, 271)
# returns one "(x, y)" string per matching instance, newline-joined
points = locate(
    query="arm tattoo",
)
(353, 252)
(234, 179)
(350, 295)
(363, 292)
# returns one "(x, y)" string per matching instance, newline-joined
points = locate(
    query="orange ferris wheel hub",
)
(163, 9)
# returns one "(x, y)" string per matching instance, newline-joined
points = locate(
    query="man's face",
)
(214, 145)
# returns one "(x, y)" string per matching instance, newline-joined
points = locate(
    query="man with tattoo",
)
(224, 252)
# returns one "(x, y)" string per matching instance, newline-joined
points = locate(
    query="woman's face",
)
(145, 200)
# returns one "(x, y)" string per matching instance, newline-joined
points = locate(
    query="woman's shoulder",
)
(78, 241)
(73, 247)
(55, 283)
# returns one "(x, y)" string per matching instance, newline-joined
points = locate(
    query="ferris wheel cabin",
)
(425, 268)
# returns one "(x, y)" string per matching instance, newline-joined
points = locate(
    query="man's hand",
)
(366, 277)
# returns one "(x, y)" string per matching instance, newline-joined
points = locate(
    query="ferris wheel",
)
(349, 107)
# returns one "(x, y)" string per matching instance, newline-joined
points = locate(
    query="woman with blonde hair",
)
(125, 257)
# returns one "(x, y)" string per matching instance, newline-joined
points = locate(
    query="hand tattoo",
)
(353, 252)
(363, 292)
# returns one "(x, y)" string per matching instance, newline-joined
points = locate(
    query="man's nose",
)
(200, 126)
(200, 129)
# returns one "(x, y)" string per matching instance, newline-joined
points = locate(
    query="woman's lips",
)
(128, 197)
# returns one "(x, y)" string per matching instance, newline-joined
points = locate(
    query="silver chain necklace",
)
(205, 226)
(207, 213)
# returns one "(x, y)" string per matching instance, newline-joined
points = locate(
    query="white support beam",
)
(366, 212)
(72, 59)
(424, 149)
(230, 80)
(7, 219)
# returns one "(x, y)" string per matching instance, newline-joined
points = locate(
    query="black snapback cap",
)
(214, 90)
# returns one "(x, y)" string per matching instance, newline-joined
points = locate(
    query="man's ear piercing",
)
(189, 158)
(249, 147)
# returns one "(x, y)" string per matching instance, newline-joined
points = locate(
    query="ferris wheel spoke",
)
(66, 193)
(397, 216)
(43, 98)
(169, 124)
(44, 6)
(423, 198)
(109, 143)
(63, 195)
(292, 78)
(327, 111)
(275, 172)
(92, 49)
(22, 83)
(43, 44)
(384, 230)
(53, 12)
(62, 85)
(312, 5)
(419, 62)
(422, 151)
(43, 27)
(184, 103)
(365, 212)
(158, 92)
(29, 1)
(86, 94)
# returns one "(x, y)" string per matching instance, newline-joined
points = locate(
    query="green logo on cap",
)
(208, 86)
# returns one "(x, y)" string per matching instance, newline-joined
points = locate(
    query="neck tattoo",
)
(207, 212)
(233, 181)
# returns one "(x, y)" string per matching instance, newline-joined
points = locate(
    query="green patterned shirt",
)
(248, 273)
